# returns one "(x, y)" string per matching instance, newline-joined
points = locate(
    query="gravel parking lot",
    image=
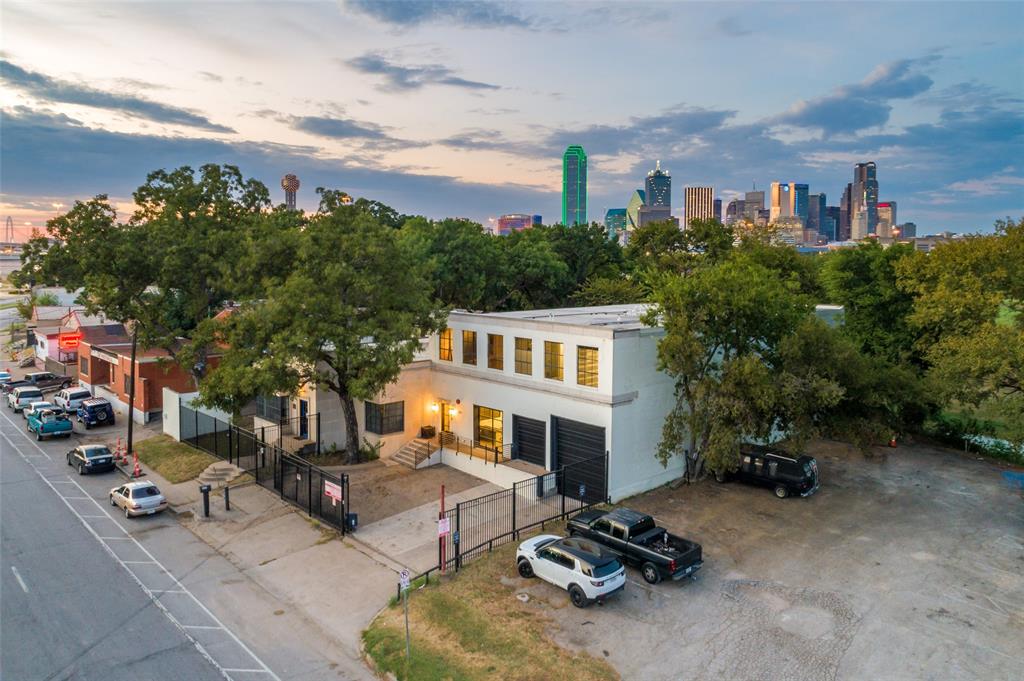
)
(909, 565)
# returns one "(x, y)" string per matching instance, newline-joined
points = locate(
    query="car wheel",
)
(87, 426)
(112, 502)
(719, 476)
(127, 513)
(81, 469)
(525, 569)
(650, 573)
(69, 459)
(781, 491)
(39, 436)
(578, 598)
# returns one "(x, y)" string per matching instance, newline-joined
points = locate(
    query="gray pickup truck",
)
(640, 542)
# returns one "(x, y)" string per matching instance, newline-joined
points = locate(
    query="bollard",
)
(205, 489)
(227, 498)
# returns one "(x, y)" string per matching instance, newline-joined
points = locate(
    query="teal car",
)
(49, 423)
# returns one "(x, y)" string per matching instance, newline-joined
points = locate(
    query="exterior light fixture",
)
(435, 407)
(453, 412)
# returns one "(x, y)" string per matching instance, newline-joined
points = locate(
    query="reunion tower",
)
(290, 184)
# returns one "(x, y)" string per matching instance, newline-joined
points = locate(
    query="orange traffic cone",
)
(137, 472)
(892, 442)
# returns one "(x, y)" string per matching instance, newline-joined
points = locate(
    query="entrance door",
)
(303, 419)
(528, 437)
(446, 418)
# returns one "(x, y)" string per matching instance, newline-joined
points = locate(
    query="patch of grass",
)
(175, 461)
(1007, 315)
(473, 626)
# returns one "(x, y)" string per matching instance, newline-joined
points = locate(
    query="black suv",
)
(770, 467)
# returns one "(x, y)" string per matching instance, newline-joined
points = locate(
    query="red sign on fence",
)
(333, 491)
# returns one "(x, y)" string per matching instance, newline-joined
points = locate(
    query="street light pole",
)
(131, 390)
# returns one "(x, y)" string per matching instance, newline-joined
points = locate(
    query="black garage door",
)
(529, 438)
(581, 447)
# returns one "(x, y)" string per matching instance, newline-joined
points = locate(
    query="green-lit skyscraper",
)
(574, 186)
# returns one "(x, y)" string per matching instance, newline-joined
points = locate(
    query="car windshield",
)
(30, 395)
(606, 570)
(83, 394)
(142, 492)
(94, 452)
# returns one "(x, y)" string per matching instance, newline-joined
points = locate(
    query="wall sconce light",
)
(453, 412)
(435, 407)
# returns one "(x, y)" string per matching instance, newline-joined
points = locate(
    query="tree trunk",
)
(348, 410)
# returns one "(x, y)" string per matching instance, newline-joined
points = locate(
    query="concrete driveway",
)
(904, 567)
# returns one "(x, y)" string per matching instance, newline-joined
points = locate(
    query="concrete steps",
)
(220, 474)
(413, 453)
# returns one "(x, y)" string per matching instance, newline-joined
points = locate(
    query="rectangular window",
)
(586, 366)
(272, 408)
(495, 351)
(487, 426)
(382, 419)
(553, 366)
(469, 347)
(444, 348)
(524, 356)
(83, 365)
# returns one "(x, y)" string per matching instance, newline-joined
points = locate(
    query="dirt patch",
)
(379, 490)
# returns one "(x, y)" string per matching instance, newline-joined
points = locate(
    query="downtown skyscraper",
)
(700, 203)
(864, 201)
(574, 186)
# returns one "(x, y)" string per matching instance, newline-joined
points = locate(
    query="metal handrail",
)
(493, 455)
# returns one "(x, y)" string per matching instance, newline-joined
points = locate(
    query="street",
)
(88, 594)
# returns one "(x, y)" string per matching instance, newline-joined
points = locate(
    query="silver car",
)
(138, 498)
(35, 408)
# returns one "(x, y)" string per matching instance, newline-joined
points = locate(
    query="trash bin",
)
(352, 521)
(427, 432)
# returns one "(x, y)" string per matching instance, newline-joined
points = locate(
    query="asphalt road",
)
(68, 609)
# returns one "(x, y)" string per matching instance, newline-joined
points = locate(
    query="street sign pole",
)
(404, 581)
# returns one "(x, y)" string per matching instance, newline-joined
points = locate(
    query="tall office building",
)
(864, 199)
(636, 201)
(844, 214)
(816, 212)
(699, 203)
(658, 187)
(798, 194)
(908, 230)
(735, 211)
(615, 222)
(718, 209)
(574, 186)
(886, 218)
(513, 222)
(831, 223)
(782, 203)
(753, 202)
(290, 185)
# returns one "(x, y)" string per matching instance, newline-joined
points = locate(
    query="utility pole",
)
(131, 390)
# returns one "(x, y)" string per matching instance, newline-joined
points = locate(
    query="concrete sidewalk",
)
(337, 584)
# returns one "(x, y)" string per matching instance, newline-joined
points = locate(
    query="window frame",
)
(83, 365)
(469, 357)
(495, 351)
(524, 356)
(446, 345)
(583, 368)
(497, 439)
(379, 419)
(549, 368)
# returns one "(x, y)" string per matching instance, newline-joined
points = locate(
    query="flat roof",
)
(615, 317)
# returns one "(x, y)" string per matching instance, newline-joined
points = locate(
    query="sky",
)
(463, 109)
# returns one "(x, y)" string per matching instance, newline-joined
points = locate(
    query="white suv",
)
(70, 399)
(23, 396)
(581, 567)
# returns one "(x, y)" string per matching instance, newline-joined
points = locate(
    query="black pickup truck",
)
(47, 381)
(635, 537)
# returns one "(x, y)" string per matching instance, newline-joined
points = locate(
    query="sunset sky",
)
(464, 108)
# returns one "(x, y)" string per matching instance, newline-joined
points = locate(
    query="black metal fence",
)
(478, 525)
(321, 494)
(451, 442)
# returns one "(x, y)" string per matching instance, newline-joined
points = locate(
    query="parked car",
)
(771, 467)
(23, 396)
(91, 459)
(5, 377)
(33, 407)
(70, 399)
(636, 539)
(96, 412)
(47, 380)
(138, 498)
(8, 387)
(49, 423)
(583, 568)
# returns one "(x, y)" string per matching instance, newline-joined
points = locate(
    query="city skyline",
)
(412, 105)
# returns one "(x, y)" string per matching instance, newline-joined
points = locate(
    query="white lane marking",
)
(115, 538)
(149, 592)
(61, 482)
(17, 576)
(165, 591)
(138, 562)
(93, 516)
(199, 626)
(78, 498)
(248, 671)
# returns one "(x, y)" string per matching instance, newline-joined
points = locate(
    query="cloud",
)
(732, 27)
(862, 105)
(411, 13)
(337, 128)
(49, 154)
(479, 138)
(993, 185)
(49, 89)
(399, 78)
(213, 77)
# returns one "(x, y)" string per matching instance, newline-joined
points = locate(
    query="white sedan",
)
(35, 408)
(581, 567)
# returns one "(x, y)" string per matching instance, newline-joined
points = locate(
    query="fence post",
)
(565, 488)
(515, 523)
(216, 440)
(458, 544)
(309, 488)
(317, 417)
